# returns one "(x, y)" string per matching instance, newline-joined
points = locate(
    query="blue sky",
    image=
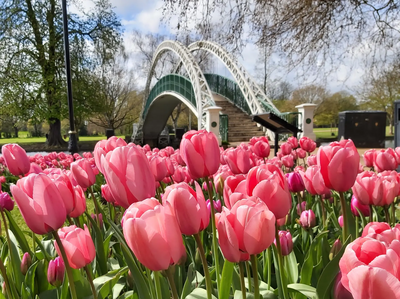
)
(146, 16)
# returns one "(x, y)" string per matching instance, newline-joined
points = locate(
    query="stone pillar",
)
(306, 120)
(212, 121)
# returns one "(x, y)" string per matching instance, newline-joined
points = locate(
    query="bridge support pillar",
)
(212, 121)
(306, 119)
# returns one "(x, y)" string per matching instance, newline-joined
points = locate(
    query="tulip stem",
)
(371, 217)
(254, 261)
(66, 263)
(280, 263)
(269, 267)
(205, 265)
(157, 283)
(171, 281)
(323, 211)
(242, 285)
(90, 278)
(4, 274)
(357, 228)
(393, 213)
(248, 276)
(386, 208)
(345, 222)
(214, 231)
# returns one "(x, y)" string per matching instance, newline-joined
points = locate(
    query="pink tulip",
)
(357, 207)
(26, 262)
(313, 181)
(97, 217)
(301, 207)
(78, 245)
(83, 173)
(390, 187)
(128, 175)
(188, 206)
(233, 184)
(368, 188)
(16, 159)
(294, 154)
(104, 146)
(79, 202)
(307, 144)
(286, 148)
(336, 247)
(238, 160)
(339, 164)
(179, 175)
(311, 160)
(261, 149)
(200, 152)
(340, 220)
(106, 194)
(217, 206)
(370, 268)
(339, 291)
(288, 161)
(369, 157)
(40, 203)
(385, 159)
(293, 142)
(170, 167)
(254, 140)
(295, 182)
(152, 232)
(307, 219)
(301, 153)
(158, 167)
(269, 184)
(286, 241)
(6, 203)
(55, 272)
(248, 228)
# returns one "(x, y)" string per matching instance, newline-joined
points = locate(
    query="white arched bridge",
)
(200, 91)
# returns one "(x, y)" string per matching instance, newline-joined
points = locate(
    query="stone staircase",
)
(240, 126)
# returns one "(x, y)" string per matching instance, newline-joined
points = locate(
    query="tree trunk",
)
(55, 138)
(16, 132)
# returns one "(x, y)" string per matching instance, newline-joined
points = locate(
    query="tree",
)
(31, 41)
(380, 90)
(312, 94)
(315, 32)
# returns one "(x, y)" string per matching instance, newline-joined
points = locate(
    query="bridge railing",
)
(223, 127)
(228, 89)
(171, 82)
(291, 118)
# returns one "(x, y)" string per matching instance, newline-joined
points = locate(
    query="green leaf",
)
(128, 295)
(105, 284)
(23, 243)
(138, 277)
(226, 280)
(81, 284)
(199, 293)
(291, 268)
(188, 286)
(238, 295)
(303, 289)
(101, 257)
(30, 278)
(16, 260)
(328, 275)
(25, 292)
(118, 287)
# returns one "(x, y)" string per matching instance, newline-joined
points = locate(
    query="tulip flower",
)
(83, 173)
(301, 153)
(55, 272)
(307, 219)
(104, 146)
(261, 149)
(385, 159)
(217, 206)
(128, 175)
(238, 160)
(247, 229)
(6, 203)
(286, 242)
(369, 157)
(188, 206)
(390, 187)
(339, 164)
(200, 152)
(295, 182)
(269, 184)
(40, 203)
(339, 291)
(152, 232)
(16, 159)
(288, 161)
(340, 220)
(313, 181)
(301, 207)
(106, 194)
(368, 188)
(307, 144)
(78, 245)
(336, 247)
(25, 263)
(311, 160)
(158, 166)
(286, 148)
(357, 207)
(293, 142)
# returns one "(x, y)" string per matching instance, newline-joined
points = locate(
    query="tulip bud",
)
(3, 289)
(286, 241)
(301, 207)
(340, 220)
(25, 263)
(295, 182)
(55, 272)
(129, 280)
(307, 219)
(217, 206)
(339, 291)
(6, 202)
(94, 216)
(355, 205)
(335, 249)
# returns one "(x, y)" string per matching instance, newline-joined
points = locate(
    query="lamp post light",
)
(72, 143)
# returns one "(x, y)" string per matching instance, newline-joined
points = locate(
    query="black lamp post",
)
(72, 144)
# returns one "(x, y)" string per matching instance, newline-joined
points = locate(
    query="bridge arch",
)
(202, 92)
(256, 98)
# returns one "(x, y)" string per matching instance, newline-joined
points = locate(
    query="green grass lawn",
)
(325, 133)
(24, 139)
